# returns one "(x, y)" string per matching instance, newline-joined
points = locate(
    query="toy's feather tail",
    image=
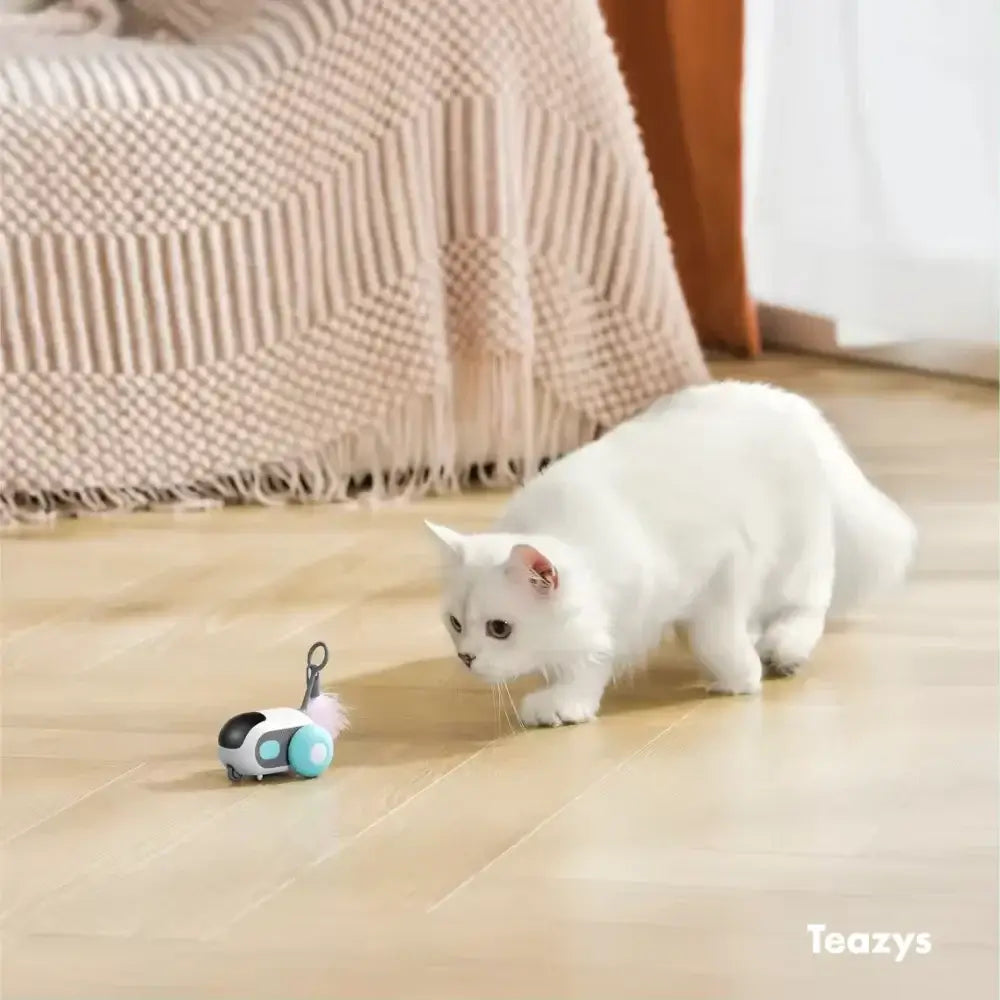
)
(326, 711)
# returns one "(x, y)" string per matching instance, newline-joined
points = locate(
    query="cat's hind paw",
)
(555, 707)
(774, 667)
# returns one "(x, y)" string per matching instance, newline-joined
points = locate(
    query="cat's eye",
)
(454, 623)
(496, 628)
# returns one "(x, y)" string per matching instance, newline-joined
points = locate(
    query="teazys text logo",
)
(899, 946)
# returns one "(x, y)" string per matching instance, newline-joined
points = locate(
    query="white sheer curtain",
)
(872, 164)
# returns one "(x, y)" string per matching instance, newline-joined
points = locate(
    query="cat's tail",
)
(875, 541)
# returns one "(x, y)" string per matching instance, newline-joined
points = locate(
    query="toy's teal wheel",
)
(310, 751)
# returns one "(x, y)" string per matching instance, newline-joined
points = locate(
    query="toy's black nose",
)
(467, 659)
(235, 731)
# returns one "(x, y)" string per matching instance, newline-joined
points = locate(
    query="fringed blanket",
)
(311, 245)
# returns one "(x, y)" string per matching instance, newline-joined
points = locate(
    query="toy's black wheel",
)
(234, 775)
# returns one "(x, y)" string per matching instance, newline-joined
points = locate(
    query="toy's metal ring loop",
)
(324, 652)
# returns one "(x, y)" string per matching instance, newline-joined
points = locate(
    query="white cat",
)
(731, 509)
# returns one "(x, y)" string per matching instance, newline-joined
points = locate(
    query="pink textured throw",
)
(310, 240)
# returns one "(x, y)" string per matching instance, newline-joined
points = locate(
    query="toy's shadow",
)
(208, 780)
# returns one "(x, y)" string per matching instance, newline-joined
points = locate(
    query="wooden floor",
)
(678, 847)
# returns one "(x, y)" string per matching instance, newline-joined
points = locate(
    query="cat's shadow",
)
(431, 709)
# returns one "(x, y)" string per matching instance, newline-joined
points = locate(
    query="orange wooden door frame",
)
(683, 63)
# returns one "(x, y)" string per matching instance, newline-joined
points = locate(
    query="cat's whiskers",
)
(510, 698)
(495, 695)
(503, 705)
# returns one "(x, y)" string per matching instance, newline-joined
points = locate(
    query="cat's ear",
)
(451, 543)
(525, 562)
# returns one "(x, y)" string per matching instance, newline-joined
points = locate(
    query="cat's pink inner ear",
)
(542, 575)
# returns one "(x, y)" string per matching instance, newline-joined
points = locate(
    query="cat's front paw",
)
(557, 707)
(746, 686)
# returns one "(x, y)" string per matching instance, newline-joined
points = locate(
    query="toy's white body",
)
(263, 748)
(285, 740)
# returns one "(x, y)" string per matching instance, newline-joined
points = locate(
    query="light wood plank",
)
(677, 847)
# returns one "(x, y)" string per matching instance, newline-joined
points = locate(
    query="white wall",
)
(872, 166)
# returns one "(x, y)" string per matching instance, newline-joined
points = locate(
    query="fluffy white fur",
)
(731, 509)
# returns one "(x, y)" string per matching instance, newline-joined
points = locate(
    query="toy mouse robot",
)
(281, 740)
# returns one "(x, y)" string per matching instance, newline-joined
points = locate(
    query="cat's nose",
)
(467, 659)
